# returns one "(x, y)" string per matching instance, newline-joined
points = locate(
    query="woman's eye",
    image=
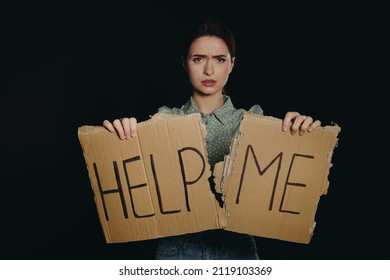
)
(197, 59)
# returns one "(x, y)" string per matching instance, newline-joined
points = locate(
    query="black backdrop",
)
(67, 65)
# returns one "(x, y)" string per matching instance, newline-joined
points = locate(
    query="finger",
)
(118, 126)
(288, 120)
(305, 125)
(314, 125)
(108, 125)
(133, 127)
(297, 122)
(126, 127)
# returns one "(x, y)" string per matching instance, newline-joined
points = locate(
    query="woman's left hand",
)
(297, 123)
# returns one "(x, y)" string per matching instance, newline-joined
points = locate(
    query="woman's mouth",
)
(208, 83)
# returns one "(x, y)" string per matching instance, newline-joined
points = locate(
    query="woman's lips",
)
(209, 83)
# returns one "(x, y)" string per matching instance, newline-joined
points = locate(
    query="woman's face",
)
(208, 64)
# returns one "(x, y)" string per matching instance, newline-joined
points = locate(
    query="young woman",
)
(208, 58)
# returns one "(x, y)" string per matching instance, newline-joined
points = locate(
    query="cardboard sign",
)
(272, 181)
(159, 183)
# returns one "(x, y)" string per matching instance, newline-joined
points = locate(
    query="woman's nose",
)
(208, 69)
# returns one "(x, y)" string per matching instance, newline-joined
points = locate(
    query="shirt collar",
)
(220, 113)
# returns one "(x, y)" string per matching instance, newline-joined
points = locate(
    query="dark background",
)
(67, 65)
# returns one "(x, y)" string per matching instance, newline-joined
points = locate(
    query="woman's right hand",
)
(125, 127)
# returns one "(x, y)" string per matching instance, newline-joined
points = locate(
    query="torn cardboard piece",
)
(153, 185)
(272, 181)
(157, 184)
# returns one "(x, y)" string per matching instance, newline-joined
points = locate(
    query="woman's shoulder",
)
(256, 109)
(168, 110)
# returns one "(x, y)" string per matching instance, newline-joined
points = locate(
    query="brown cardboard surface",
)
(157, 184)
(153, 185)
(272, 180)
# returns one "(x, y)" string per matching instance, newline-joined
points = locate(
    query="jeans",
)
(208, 245)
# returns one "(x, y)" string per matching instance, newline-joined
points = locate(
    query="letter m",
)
(261, 172)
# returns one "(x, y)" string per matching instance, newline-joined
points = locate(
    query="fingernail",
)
(133, 135)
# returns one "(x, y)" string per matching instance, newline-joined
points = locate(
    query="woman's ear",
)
(232, 65)
(183, 63)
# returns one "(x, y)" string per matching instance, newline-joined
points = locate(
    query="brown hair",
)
(209, 27)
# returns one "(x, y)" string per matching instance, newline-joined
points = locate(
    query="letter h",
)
(112, 191)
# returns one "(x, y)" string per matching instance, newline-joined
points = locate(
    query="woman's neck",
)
(207, 104)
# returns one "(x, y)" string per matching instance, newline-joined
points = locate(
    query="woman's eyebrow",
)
(214, 56)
